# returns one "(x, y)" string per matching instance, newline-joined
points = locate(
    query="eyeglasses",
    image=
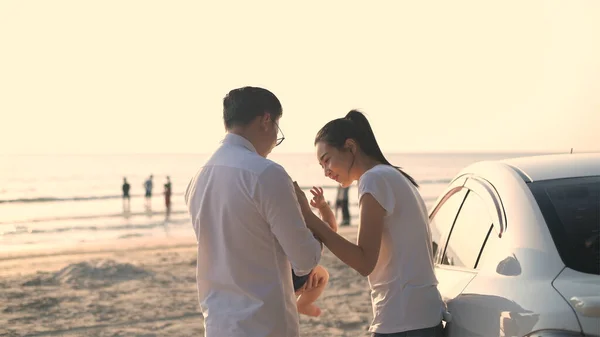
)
(279, 139)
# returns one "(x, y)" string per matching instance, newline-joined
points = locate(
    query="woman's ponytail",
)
(368, 143)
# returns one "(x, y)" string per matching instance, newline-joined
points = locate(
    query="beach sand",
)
(144, 288)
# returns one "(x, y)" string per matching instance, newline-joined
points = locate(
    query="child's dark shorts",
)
(299, 281)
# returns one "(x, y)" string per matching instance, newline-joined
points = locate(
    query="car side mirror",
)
(510, 266)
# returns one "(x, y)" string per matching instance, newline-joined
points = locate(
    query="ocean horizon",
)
(62, 200)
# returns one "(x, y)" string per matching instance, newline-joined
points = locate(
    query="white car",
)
(516, 247)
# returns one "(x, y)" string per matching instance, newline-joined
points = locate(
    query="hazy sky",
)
(149, 76)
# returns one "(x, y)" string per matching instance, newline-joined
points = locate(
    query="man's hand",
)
(318, 200)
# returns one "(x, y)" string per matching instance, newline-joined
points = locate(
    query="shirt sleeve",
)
(374, 184)
(277, 202)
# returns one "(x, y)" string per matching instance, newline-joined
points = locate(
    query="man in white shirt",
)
(249, 227)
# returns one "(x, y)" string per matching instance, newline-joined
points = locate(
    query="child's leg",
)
(305, 302)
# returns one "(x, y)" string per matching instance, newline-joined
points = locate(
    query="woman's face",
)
(336, 163)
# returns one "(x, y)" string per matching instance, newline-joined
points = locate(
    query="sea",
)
(49, 202)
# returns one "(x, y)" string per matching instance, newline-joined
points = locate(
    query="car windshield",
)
(571, 208)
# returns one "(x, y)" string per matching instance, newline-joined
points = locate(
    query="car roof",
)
(556, 166)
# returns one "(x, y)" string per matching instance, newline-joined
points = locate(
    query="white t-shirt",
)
(403, 285)
(250, 234)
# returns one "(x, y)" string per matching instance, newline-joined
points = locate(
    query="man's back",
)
(249, 228)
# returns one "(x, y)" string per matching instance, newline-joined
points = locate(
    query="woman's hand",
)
(318, 200)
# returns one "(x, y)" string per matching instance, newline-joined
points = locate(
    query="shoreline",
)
(131, 244)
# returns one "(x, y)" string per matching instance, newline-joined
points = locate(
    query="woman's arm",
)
(362, 256)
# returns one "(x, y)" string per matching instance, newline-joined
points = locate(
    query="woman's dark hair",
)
(355, 126)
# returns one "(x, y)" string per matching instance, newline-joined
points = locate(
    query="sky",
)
(102, 77)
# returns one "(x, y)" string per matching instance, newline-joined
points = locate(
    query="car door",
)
(456, 266)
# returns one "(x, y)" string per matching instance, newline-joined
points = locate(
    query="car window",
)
(571, 208)
(468, 234)
(444, 217)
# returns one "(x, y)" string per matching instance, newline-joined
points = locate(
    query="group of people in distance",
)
(148, 186)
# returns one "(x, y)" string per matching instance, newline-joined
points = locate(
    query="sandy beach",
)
(143, 288)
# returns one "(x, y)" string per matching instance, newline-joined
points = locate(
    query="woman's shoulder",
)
(380, 175)
(382, 171)
(387, 175)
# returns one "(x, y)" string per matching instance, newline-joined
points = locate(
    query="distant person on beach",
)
(126, 197)
(167, 193)
(341, 202)
(249, 228)
(148, 189)
(394, 248)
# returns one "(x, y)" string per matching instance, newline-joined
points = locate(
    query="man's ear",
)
(267, 116)
(265, 121)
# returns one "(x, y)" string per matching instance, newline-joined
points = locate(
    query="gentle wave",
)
(147, 225)
(78, 198)
(105, 197)
(427, 200)
(91, 217)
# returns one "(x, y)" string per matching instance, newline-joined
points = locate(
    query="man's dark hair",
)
(242, 105)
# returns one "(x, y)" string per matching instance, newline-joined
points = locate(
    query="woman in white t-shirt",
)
(394, 246)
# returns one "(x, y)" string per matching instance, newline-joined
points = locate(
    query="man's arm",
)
(276, 199)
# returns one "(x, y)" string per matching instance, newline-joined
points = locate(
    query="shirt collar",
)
(237, 140)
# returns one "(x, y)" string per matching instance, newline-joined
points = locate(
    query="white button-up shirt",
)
(250, 233)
